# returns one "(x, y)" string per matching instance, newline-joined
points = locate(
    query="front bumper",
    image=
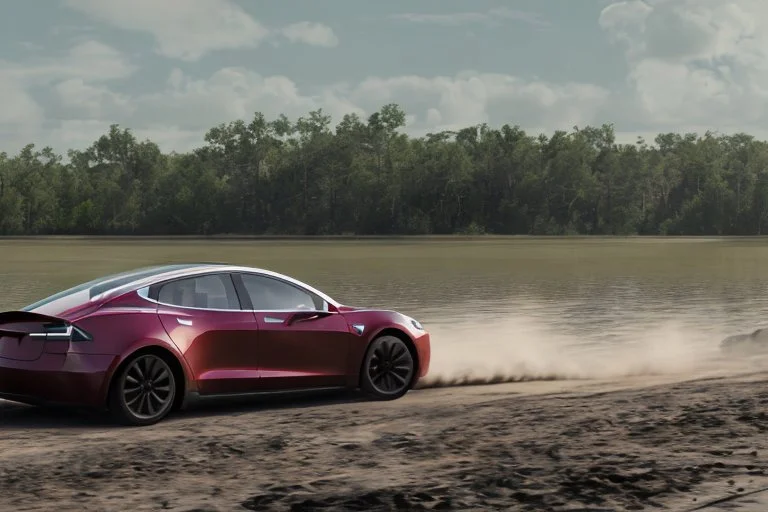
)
(424, 351)
(57, 379)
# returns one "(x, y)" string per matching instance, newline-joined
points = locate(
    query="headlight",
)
(416, 324)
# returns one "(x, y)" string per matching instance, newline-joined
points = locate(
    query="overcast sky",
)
(171, 69)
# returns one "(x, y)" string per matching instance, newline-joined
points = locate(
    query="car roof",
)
(152, 275)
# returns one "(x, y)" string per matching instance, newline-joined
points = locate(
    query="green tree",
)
(367, 176)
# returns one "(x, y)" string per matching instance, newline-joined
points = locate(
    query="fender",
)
(189, 383)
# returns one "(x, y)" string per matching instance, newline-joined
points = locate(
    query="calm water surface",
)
(589, 292)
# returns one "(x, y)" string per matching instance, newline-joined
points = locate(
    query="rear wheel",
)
(388, 368)
(143, 391)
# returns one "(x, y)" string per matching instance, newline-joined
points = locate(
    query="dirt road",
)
(623, 445)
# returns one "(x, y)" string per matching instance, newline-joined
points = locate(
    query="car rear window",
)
(71, 297)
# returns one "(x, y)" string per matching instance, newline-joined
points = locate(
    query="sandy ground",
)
(630, 444)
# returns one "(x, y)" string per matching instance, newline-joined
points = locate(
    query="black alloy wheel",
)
(144, 391)
(388, 368)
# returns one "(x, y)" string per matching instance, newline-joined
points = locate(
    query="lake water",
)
(519, 307)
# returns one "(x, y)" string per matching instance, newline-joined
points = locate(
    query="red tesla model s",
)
(145, 342)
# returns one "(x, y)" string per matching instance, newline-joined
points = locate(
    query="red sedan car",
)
(146, 342)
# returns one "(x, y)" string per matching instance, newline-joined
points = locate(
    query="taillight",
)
(62, 332)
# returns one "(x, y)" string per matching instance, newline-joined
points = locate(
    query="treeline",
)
(364, 176)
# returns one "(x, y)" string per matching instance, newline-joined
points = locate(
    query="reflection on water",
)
(586, 293)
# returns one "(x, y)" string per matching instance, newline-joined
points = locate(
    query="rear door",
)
(301, 344)
(204, 318)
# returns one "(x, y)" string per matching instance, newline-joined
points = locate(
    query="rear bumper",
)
(60, 379)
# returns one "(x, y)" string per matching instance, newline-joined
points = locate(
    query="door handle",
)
(272, 320)
(184, 322)
(300, 316)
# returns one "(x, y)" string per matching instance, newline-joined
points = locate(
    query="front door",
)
(302, 345)
(203, 317)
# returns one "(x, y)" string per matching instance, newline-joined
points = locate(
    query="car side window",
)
(215, 291)
(268, 294)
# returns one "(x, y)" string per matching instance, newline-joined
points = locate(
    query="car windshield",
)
(81, 293)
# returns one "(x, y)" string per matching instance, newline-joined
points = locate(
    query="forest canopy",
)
(367, 177)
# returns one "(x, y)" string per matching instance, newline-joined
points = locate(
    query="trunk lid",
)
(22, 334)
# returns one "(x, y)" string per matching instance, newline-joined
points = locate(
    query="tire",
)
(388, 368)
(143, 391)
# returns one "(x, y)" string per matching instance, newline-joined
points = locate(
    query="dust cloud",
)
(521, 348)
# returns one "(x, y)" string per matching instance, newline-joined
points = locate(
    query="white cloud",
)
(183, 29)
(229, 94)
(81, 133)
(21, 116)
(695, 63)
(315, 34)
(73, 134)
(178, 115)
(23, 119)
(171, 137)
(191, 29)
(93, 101)
(492, 16)
(89, 60)
(692, 65)
(432, 103)
(448, 103)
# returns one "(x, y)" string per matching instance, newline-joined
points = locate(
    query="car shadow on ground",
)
(229, 406)
(15, 416)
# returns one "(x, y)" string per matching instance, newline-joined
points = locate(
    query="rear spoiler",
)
(65, 329)
(8, 317)
(12, 334)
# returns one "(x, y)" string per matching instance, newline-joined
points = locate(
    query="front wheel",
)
(388, 368)
(143, 391)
